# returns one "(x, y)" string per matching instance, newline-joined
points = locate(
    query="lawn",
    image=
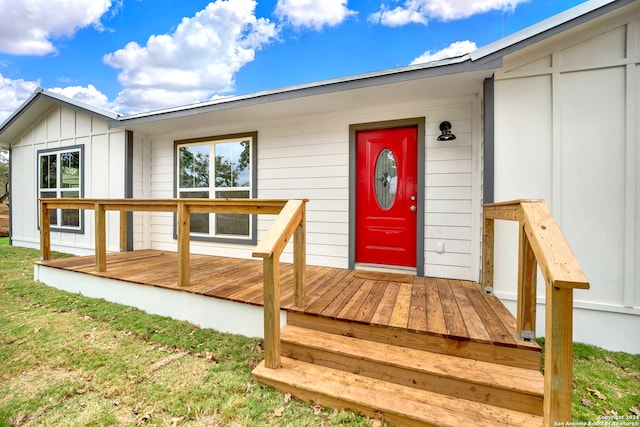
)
(70, 360)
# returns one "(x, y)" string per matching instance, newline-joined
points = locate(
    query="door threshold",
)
(383, 268)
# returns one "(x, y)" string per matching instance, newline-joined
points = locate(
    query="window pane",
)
(48, 194)
(48, 171)
(232, 224)
(53, 213)
(194, 166)
(199, 221)
(70, 217)
(386, 179)
(70, 169)
(232, 164)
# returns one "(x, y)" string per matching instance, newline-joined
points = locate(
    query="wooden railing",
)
(541, 243)
(290, 221)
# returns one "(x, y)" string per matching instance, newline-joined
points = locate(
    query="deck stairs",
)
(406, 378)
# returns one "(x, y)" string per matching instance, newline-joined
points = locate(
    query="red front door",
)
(386, 192)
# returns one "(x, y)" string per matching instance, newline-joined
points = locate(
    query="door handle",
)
(413, 208)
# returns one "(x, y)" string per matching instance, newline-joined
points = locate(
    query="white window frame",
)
(212, 189)
(59, 190)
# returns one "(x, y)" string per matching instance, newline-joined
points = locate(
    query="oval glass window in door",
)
(386, 178)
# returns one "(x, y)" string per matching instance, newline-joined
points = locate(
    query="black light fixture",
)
(446, 135)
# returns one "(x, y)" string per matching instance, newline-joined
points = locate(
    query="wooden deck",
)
(447, 308)
(417, 351)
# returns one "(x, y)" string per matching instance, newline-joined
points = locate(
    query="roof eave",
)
(40, 93)
(394, 75)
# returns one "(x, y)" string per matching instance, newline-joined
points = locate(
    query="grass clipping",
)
(76, 361)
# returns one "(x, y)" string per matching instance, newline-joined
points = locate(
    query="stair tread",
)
(525, 357)
(521, 380)
(401, 404)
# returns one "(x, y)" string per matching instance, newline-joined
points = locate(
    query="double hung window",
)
(60, 174)
(218, 169)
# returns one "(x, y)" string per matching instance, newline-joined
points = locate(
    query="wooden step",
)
(494, 384)
(398, 404)
(524, 355)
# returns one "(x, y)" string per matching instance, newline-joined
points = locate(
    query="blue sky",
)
(139, 55)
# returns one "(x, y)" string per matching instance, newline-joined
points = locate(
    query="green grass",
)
(66, 359)
(606, 384)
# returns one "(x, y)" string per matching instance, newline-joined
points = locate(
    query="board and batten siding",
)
(307, 156)
(567, 119)
(104, 154)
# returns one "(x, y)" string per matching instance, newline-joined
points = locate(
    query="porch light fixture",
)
(446, 135)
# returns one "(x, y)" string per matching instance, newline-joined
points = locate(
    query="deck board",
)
(473, 322)
(400, 314)
(435, 316)
(352, 307)
(384, 310)
(336, 306)
(417, 309)
(452, 315)
(333, 288)
(439, 307)
(370, 304)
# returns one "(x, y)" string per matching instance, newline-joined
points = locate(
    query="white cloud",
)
(420, 11)
(89, 95)
(28, 26)
(199, 59)
(313, 13)
(451, 51)
(13, 93)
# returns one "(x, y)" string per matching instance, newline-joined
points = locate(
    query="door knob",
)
(413, 208)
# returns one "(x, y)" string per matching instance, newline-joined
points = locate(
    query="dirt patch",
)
(4, 220)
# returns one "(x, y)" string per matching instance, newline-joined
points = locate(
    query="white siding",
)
(103, 174)
(141, 190)
(566, 131)
(308, 157)
(453, 193)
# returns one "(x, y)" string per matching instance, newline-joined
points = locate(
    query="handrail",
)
(541, 243)
(291, 221)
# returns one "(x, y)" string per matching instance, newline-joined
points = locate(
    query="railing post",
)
(101, 237)
(271, 311)
(527, 287)
(123, 231)
(183, 230)
(300, 260)
(487, 254)
(558, 355)
(45, 232)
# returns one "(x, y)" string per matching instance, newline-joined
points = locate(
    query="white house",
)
(549, 113)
